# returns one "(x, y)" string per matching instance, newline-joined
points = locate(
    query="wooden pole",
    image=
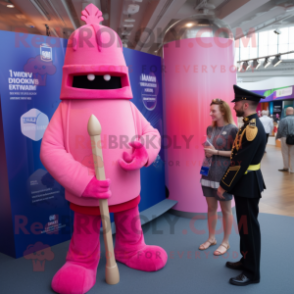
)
(111, 270)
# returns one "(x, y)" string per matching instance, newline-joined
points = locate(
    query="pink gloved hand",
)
(97, 189)
(137, 159)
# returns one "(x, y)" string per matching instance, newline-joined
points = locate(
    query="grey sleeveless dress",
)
(222, 140)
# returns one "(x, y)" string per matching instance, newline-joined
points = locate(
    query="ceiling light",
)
(255, 64)
(20, 16)
(190, 24)
(132, 9)
(129, 20)
(126, 33)
(130, 25)
(266, 62)
(10, 6)
(277, 60)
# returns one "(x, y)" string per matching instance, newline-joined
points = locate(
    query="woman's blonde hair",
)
(225, 110)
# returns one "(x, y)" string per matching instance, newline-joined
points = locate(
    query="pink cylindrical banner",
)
(196, 71)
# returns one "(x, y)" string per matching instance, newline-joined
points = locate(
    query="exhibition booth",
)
(276, 102)
(32, 203)
(124, 171)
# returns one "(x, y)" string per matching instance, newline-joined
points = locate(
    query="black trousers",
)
(250, 239)
(267, 135)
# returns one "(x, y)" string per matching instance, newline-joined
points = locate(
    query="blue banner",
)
(146, 83)
(30, 82)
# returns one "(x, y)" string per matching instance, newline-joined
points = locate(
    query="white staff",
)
(111, 270)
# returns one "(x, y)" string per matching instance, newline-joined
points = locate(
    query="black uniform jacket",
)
(248, 149)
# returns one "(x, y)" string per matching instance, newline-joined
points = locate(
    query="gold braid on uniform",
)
(251, 130)
(238, 140)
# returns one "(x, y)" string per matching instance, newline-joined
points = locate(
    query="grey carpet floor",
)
(188, 270)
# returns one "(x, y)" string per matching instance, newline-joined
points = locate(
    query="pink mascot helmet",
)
(94, 66)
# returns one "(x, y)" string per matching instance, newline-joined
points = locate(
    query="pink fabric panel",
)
(194, 76)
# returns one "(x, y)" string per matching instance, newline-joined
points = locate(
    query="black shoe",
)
(284, 170)
(234, 265)
(242, 280)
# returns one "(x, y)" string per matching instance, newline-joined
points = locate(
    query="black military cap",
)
(242, 94)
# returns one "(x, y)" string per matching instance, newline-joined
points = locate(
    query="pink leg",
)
(78, 274)
(130, 247)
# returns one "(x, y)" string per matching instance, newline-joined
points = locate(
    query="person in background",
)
(277, 118)
(267, 124)
(275, 128)
(221, 134)
(286, 127)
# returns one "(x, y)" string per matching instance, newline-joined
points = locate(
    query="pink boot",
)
(78, 274)
(130, 247)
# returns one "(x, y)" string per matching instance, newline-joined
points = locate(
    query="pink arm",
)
(71, 174)
(150, 136)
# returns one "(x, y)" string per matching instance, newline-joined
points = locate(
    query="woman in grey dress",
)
(221, 134)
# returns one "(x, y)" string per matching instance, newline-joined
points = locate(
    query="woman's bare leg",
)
(211, 220)
(227, 225)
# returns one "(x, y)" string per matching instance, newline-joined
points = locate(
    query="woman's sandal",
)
(210, 244)
(221, 253)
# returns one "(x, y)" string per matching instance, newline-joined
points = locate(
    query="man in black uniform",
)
(244, 180)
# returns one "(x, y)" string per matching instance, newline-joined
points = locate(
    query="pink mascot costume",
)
(95, 81)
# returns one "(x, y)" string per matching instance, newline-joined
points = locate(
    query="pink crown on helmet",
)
(94, 51)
